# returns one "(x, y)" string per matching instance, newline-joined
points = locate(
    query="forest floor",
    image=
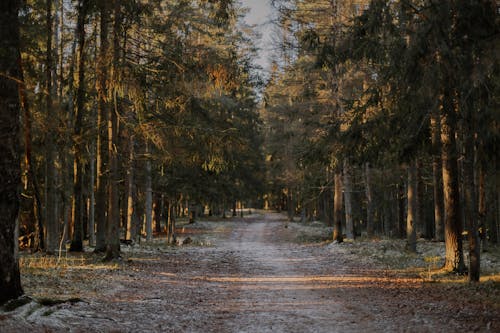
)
(255, 274)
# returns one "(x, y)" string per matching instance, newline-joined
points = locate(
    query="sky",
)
(259, 15)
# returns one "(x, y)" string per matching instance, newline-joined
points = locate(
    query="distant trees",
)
(406, 84)
(378, 117)
(137, 108)
(10, 152)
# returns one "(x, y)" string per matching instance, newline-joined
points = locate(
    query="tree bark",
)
(10, 173)
(349, 224)
(78, 202)
(91, 229)
(39, 244)
(157, 212)
(454, 260)
(337, 207)
(290, 204)
(171, 237)
(471, 212)
(369, 201)
(149, 198)
(113, 229)
(411, 238)
(437, 177)
(51, 220)
(102, 114)
(130, 190)
(482, 208)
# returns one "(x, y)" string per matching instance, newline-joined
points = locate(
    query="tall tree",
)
(10, 173)
(113, 227)
(437, 179)
(102, 122)
(78, 202)
(51, 218)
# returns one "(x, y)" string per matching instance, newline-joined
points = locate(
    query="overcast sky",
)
(260, 11)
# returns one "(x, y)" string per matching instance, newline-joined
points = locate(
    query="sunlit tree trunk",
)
(10, 173)
(349, 224)
(130, 189)
(337, 207)
(411, 239)
(437, 177)
(454, 260)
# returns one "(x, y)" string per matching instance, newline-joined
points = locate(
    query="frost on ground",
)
(255, 274)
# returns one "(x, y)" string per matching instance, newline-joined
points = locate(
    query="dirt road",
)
(251, 277)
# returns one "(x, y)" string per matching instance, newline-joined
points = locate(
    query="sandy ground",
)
(247, 275)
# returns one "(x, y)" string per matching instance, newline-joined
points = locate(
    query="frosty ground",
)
(255, 274)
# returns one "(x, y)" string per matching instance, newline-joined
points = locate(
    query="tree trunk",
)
(157, 209)
(471, 214)
(68, 158)
(113, 229)
(102, 106)
(91, 229)
(78, 203)
(437, 178)
(423, 227)
(349, 224)
(337, 207)
(170, 223)
(234, 209)
(290, 204)
(113, 225)
(10, 173)
(482, 208)
(149, 198)
(369, 201)
(51, 220)
(130, 190)
(454, 260)
(30, 172)
(411, 239)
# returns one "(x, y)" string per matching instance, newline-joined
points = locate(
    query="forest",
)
(144, 123)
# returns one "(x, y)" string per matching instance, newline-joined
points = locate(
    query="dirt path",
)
(253, 278)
